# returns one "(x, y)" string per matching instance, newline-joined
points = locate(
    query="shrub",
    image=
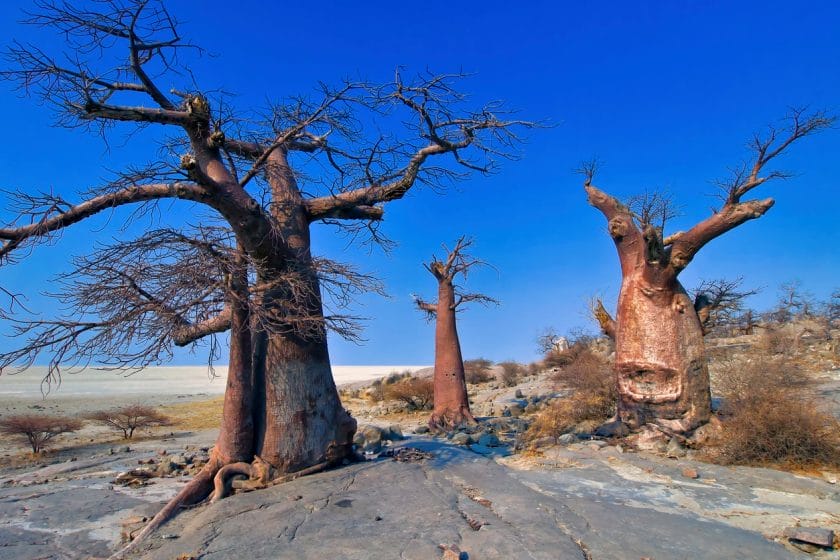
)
(594, 395)
(128, 419)
(771, 417)
(511, 373)
(415, 391)
(38, 429)
(478, 371)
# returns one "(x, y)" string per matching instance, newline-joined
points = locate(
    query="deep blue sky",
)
(665, 93)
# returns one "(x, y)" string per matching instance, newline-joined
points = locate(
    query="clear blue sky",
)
(665, 93)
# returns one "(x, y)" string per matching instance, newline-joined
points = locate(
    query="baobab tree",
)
(451, 405)
(239, 257)
(661, 370)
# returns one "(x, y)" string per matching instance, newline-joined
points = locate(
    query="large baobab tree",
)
(660, 364)
(255, 181)
(451, 405)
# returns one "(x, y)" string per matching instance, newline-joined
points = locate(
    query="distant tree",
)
(129, 418)
(661, 368)
(547, 340)
(720, 302)
(793, 302)
(38, 429)
(451, 405)
(256, 180)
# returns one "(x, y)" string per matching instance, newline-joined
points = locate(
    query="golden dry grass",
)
(195, 415)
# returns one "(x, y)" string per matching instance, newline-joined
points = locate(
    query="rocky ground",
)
(479, 492)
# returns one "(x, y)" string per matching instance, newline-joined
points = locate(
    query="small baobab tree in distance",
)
(660, 362)
(38, 429)
(249, 183)
(451, 406)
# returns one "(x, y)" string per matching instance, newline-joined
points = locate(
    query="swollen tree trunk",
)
(302, 422)
(660, 366)
(451, 405)
(659, 358)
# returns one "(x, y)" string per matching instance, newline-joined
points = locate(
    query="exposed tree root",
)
(195, 491)
(215, 480)
(221, 482)
(449, 420)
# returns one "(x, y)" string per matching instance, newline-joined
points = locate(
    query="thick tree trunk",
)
(302, 422)
(451, 407)
(660, 363)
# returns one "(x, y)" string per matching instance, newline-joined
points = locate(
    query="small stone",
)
(506, 412)
(519, 394)
(566, 439)
(178, 460)
(124, 449)
(546, 441)
(395, 432)
(166, 467)
(811, 535)
(461, 439)
(616, 428)
(689, 472)
(674, 450)
(829, 477)
(515, 410)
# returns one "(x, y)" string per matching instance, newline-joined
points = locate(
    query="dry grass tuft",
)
(772, 417)
(512, 373)
(593, 399)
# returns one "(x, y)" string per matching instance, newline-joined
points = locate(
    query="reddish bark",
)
(660, 364)
(451, 404)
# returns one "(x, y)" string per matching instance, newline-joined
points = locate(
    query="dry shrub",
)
(478, 371)
(376, 392)
(512, 372)
(37, 429)
(557, 359)
(415, 391)
(593, 399)
(777, 341)
(128, 419)
(771, 417)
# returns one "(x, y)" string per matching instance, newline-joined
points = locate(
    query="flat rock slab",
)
(387, 509)
(812, 535)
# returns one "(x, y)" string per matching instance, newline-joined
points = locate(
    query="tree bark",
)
(660, 365)
(451, 407)
(302, 422)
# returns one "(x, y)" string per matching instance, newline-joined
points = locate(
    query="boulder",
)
(421, 429)
(489, 439)
(394, 432)
(616, 428)
(368, 438)
(461, 438)
(516, 410)
(566, 439)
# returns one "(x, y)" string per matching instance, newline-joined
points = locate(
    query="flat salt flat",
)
(159, 381)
